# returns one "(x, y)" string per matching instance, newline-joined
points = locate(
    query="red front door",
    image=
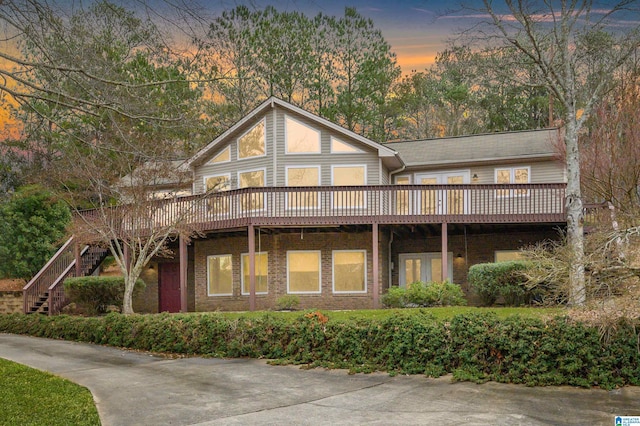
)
(169, 287)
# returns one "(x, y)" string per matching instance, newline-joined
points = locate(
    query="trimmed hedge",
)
(476, 347)
(424, 295)
(493, 280)
(98, 293)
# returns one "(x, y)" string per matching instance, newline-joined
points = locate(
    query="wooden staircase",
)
(44, 294)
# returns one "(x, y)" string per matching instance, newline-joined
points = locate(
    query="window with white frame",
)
(349, 271)
(252, 143)
(219, 275)
(302, 176)
(520, 174)
(300, 138)
(222, 157)
(303, 271)
(262, 266)
(218, 203)
(217, 182)
(252, 179)
(340, 147)
(346, 176)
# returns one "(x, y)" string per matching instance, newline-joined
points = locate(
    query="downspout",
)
(391, 174)
(395, 172)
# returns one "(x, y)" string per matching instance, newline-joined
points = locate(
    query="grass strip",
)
(33, 397)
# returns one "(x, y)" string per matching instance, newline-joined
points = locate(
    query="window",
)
(301, 139)
(262, 267)
(403, 202)
(219, 275)
(339, 147)
(507, 255)
(303, 176)
(303, 272)
(412, 271)
(349, 271)
(222, 157)
(218, 203)
(216, 183)
(252, 143)
(248, 179)
(344, 176)
(513, 175)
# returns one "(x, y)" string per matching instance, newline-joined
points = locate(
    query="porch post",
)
(252, 268)
(183, 273)
(445, 258)
(76, 253)
(375, 265)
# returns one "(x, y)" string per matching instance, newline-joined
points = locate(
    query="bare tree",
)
(102, 96)
(576, 49)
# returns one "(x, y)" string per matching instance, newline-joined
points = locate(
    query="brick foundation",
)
(276, 245)
(468, 250)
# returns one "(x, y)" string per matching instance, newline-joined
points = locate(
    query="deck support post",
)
(252, 268)
(444, 254)
(375, 265)
(184, 257)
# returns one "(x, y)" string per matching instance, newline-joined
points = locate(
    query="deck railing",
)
(330, 205)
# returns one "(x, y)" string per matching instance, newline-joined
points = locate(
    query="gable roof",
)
(203, 154)
(488, 147)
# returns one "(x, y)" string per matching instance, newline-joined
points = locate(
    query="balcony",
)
(345, 205)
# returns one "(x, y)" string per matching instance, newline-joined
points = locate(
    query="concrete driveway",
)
(132, 388)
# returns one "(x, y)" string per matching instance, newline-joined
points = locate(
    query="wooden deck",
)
(334, 205)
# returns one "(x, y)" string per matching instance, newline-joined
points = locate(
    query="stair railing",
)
(39, 285)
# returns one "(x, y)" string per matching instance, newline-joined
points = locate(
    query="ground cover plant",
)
(32, 397)
(421, 294)
(470, 343)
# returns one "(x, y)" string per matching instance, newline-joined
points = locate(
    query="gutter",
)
(396, 171)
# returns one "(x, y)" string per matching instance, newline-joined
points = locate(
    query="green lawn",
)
(442, 313)
(33, 397)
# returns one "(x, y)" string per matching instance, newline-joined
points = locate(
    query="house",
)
(303, 206)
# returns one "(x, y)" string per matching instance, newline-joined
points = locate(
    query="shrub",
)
(98, 293)
(501, 279)
(419, 294)
(288, 302)
(473, 346)
(394, 297)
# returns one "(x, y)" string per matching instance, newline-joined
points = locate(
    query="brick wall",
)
(467, 251)
(10, 302)
(276, 245)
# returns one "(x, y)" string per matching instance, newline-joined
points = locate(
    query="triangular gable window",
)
(252, 143)
(340, 147)
(222, 157)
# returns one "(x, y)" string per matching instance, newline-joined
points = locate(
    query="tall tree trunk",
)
(575, 216)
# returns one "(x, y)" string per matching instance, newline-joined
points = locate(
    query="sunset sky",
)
(415, 29)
